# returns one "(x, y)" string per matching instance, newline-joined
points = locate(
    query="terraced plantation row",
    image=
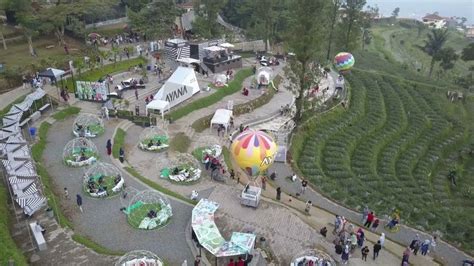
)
(393, 148)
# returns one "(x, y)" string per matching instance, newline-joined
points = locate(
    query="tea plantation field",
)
(393, 147)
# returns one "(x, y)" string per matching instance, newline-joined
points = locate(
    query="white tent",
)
(222, 117)
(226, 45)
(160, 105)
(264, 75)
(181, 86)
(58, 73)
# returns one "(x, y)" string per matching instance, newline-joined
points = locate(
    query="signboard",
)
(92, 91)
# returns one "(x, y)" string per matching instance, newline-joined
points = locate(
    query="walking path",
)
(102, 220)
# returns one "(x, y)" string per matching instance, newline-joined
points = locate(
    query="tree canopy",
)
(155, 20)
(206, 11)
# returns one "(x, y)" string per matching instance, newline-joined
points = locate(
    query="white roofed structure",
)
(222, 117)
(181, 86)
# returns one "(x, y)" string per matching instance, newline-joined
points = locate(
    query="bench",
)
(44, 107)
(38, 236)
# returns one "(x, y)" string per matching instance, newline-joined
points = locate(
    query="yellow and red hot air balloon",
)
(254, 151)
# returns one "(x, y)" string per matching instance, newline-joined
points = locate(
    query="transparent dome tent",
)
(88, 125)
(316, 256)
(103, 180)
(182, 168)
(80, 152)
(139, 258)
(153, 139)
(148, 210)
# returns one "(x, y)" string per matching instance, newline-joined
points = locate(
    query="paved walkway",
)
(102, 220)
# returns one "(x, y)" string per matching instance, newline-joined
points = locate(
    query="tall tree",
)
(353, 20)
(447, 56)
(156, 19)
(30, 27)
(13, 7)
(56, 18)
(306, 33)
(205, 23)
(395, 12)
(436, 39)
(135, 5)
(336, 5)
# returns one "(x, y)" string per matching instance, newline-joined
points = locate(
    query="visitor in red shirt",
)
(370, 219)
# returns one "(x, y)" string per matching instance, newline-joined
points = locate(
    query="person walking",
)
(278, 197)
(365, 251)
(375, 225)
(66, 193)
(264, 182)
(406, 255)
(345, 255)
(308, 206)
(425, 247)
(377, 248)
(304, 184)
(382, 239)
(121, 155)
(369, 219)
(136, 94)
(365, 214)
(414, 242)
(79, 201)
(109, 147)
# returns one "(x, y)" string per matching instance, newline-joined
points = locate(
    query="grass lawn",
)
(137, 215)
(234, 86)
(8, 247)
(94, 246)
(180, 143)
(96, 74)
(119, 140)
(65, 113)
(156, 186)
(18, 54)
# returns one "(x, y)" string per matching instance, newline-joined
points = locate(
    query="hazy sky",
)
(419, 8)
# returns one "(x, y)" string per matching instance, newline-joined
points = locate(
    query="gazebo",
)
(88, 126)
(103, 180)
(80, 152)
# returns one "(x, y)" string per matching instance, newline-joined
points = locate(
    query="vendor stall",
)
(159, 105)
(222, 117)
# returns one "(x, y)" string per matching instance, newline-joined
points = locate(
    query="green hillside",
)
(402, 43)
(395, 144)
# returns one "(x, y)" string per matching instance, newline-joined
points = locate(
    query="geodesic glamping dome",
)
(316, 256)
(220, 80)
(80, 152)
(183, 167)
(88, 125)
(102, 180)
(148, 210)
(153, 139)
(139, 258)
